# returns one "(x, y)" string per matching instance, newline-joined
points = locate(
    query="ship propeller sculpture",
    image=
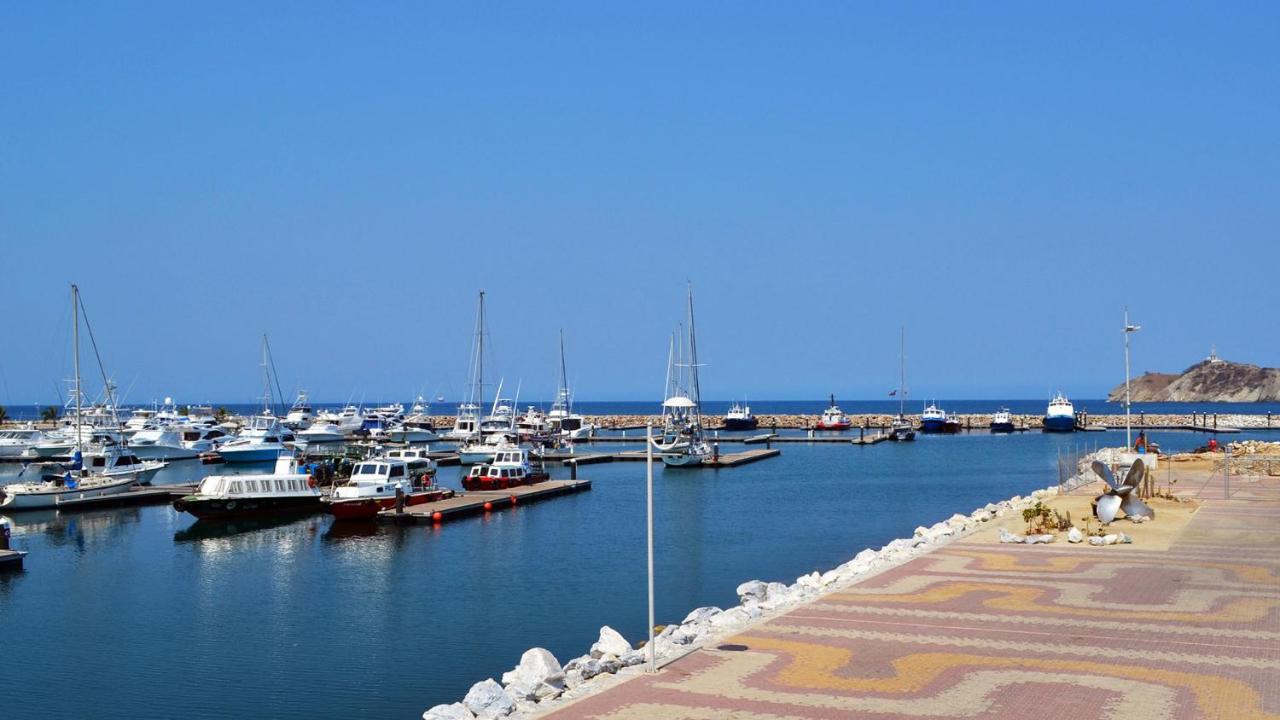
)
(1121, 496)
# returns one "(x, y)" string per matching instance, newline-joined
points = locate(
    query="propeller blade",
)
(1132, 505)
(1136, 471)
(1101, 470)
(1108, 506)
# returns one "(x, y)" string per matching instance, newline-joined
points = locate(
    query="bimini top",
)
(679, 401)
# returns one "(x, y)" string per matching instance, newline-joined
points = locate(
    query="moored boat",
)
(683, 443)
(902, 429)
(281, 493)
(510, 468)
(1060, 416)
(833, 418)
(739, 417)
(379, 483)
(1002, 421)
(934, 420)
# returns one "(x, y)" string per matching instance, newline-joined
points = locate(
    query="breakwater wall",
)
(539, 683)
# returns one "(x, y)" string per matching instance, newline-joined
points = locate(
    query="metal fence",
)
(1070, 473)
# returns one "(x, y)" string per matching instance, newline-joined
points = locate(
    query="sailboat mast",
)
(902, 369)
(693, 364)
(266, 379)
(75, 343)
(564, 376)
(480, 352)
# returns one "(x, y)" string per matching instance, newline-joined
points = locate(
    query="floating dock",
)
(11, 560)
(157, 495)
(471, 503)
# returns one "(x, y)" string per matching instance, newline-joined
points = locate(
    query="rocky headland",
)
(1211, 380)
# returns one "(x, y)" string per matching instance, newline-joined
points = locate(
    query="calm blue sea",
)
(139, 613)
(1035, 406)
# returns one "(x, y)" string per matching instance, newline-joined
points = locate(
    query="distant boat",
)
(682, 443)
(739, 417)
(901, 430)
(563, 422)
(300, 414)
(833, 418)
(1061, 415)
(934, 420)
(1002, 421)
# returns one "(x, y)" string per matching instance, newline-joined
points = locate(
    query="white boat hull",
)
(163, 452)
(475, 457)
(320, 438)
(53, 498)
(253, 453)
(412, 435)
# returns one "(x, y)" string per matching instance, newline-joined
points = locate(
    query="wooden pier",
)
(472, 503)
(11, 560)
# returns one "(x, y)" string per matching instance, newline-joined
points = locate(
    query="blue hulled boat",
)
(1061, 415)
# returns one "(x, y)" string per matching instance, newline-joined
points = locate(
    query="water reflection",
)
(216, 529)
(77, 529)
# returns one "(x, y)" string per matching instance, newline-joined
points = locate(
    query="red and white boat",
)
(833, 418)
(376, 483)
(510, 468)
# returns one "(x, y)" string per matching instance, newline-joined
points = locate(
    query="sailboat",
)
(467, 425)
(265, 438)
(565, 424)
(115, 468)
(901, 429)
(682, 443)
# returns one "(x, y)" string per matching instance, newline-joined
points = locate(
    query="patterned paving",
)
(981, 630)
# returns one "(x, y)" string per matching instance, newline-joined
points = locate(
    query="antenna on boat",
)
(75, 342)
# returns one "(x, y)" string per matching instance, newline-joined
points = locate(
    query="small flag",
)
(892, 393)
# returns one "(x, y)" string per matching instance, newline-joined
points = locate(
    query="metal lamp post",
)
(1128, 420)
(653, 651)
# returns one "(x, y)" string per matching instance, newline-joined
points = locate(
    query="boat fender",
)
(311, 481)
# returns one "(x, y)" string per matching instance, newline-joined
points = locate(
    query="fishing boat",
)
(682, 443)
(406, 433)
(934, 420)
(111, 471)
(509, 468)
(533, 426)
(284, 492)
(1061, 415)
(319, 433)
(378, 484)
(833, 418)
(300, 414)
(1002, 421)
(563, 422)
(263, 440)
(739, 417)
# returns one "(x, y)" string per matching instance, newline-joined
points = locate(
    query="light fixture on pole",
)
(1128, 420)
(653, 652)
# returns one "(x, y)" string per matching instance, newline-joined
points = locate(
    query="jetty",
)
(481, 501)
(1187, 614)
(143, 495)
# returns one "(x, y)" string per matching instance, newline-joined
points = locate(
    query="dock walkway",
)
(1184, 623)
(471, 503)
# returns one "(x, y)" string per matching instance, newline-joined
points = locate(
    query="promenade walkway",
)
(1184, 623)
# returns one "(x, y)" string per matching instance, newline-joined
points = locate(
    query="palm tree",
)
(49, 414)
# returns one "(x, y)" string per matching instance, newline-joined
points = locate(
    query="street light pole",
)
(653, 651)
(1128, 419)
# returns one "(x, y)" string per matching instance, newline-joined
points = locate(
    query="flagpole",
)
(653, 652)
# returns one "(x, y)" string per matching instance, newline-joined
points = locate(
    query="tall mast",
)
(693, 364)
(902, 369)
(266, 379)
(564, 375)
(479, 390)
(75, 342)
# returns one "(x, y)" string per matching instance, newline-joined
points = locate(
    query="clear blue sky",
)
(1001, 177)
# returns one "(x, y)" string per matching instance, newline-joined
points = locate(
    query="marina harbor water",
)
(183, 605)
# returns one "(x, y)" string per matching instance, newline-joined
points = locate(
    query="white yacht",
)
(563, 422)
(177, 442)
(682, 443)
(17, 442)
(404, 432)
(300, 414)
(321, 432)
(263, 440)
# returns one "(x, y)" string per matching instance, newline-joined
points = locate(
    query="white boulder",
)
(488, 700)
(611, 642)
(1074, 535)
(701, 614)
(1008, 537)
(538, 676)
(1037, 539)
(452, 711)
(753, 590)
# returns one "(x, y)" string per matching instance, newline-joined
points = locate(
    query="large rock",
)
(753, 590)
(538, 676)
(611, 642)
(701, 614)
(1074, 535)
(1008, 537)
(488, 700)
(452, 711)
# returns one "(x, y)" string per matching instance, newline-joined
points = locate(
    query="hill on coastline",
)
(1212, 380)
